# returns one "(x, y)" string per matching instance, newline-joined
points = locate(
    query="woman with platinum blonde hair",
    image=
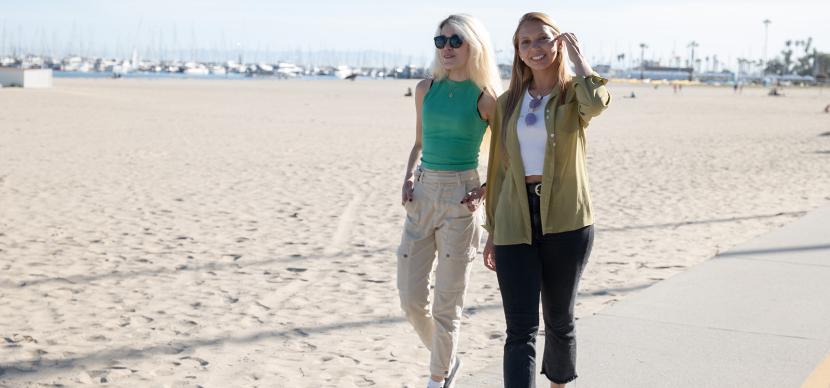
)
(441, 190)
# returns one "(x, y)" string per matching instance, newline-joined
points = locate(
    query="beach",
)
(185, 233)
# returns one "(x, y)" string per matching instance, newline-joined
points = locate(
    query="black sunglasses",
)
(441, 41)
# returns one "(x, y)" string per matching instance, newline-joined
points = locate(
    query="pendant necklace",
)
(535, 102)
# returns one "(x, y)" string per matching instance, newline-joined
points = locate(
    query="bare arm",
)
(487, 110)
(415, 153)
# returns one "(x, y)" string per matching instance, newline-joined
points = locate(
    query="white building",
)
(26, 78)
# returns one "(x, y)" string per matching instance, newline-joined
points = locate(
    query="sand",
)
(188, 233)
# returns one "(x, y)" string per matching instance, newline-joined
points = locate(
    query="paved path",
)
(755, 316)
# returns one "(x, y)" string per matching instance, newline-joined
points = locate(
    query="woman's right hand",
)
(406, 191)
(489, 254)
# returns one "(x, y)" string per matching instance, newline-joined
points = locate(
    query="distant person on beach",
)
(441, 189)
(774, 92)
(538, 205)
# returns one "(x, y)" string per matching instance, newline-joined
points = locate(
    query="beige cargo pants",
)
(436, 221)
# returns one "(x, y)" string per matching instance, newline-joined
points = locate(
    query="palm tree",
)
(643, 48)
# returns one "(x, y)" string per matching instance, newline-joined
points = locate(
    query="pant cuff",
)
(559, 381)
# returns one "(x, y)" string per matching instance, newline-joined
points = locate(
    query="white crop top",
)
(532, 138)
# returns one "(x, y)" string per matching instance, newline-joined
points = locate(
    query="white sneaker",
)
(435, 384)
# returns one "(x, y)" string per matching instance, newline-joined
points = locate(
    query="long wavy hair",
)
(522, 75)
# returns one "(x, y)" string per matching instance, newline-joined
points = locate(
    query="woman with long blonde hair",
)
(538, 205)
(441, 189)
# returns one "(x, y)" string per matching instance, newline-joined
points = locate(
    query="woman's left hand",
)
(473, 199)
(571, 44)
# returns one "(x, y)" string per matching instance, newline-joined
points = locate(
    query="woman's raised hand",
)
(569, 41)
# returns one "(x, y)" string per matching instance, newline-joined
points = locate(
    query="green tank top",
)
(451, 127)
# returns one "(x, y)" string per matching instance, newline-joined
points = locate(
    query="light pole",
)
(692, 45)
(766, 22)
(643, 48)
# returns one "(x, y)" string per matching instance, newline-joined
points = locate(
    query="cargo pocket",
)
(459, 238)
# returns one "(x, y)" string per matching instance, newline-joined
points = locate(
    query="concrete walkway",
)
(755, 316)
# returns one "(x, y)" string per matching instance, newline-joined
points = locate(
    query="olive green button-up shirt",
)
(565, 201)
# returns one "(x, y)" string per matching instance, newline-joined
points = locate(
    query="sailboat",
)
(193, 68)
(288, 70)
(342, 71)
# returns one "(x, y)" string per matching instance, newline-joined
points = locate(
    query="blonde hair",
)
(481, 63)
(522, 75)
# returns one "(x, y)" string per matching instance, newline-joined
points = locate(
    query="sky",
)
(291, 30)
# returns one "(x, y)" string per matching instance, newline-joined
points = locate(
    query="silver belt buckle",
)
(538, 189)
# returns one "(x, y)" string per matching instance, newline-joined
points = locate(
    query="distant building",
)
(505, 71)
(717, 77)
(603, 70)
(25, 78)
(667, 73)
(821, 68)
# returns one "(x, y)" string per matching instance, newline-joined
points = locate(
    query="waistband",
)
(441, 176)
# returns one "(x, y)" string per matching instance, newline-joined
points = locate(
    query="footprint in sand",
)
(97, 338)
(234, 256)
(201, 362)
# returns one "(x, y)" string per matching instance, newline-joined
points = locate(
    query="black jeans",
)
(552, 265)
